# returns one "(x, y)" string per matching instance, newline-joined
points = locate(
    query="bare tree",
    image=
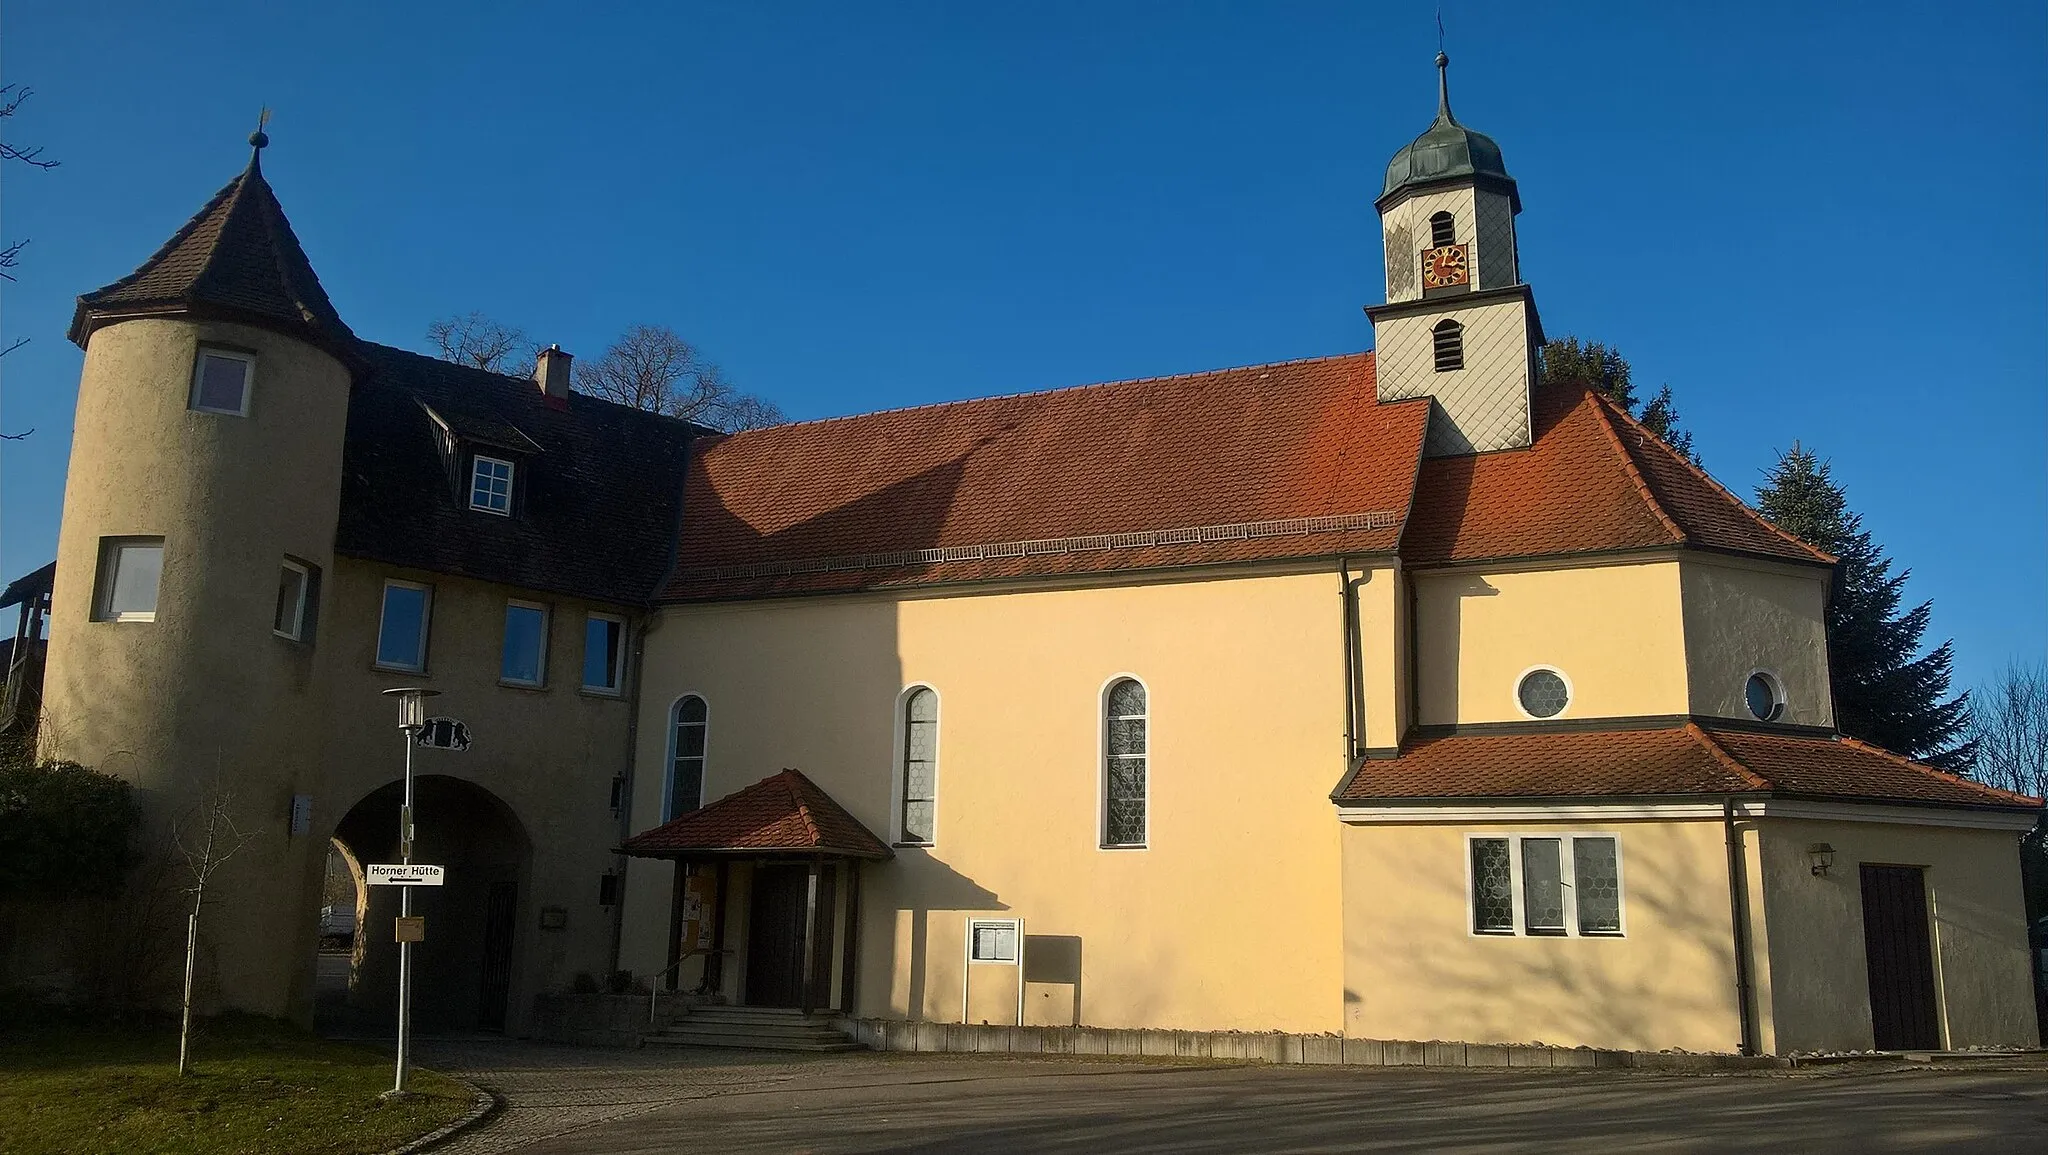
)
(207, 837)
(482, 343)
(11, 98)
(2009, 724)
(652, 367)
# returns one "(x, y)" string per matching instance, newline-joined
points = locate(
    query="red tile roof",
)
(1230, 465)
(1594, 481)
(785, 812)
(1688, 759)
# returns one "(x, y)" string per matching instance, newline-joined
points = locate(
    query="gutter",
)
(1738, 912)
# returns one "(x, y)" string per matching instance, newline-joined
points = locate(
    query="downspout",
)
(625, 815)
(1354, 665)
(1738, 910)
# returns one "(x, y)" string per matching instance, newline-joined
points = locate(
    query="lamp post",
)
(412, 718)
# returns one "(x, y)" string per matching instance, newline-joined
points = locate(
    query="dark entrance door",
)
(500, 917)
(1900, 953)
(775, 935)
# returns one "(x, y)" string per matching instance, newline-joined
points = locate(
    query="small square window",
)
(604, 653)
(294, 601)
(525, 659)
(220, 382)
(402, 632)
(131, 568)
(490, 486)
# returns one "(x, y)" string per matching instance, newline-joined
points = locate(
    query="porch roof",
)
(783, 814)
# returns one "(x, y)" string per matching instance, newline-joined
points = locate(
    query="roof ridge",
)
(1028, 393)
(793, 779)
(1721, 754)
(1924, 768)
(1604, 407)
(525, 383)
(1701, 473)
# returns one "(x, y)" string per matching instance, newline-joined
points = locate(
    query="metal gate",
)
(1899, 950)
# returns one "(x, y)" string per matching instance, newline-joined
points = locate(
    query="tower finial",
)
(1443, 88)
(259, 138)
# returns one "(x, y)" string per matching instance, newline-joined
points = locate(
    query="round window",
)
(1543, 693)
(1764, 698)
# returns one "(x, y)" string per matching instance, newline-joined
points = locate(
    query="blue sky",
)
(1822, 224)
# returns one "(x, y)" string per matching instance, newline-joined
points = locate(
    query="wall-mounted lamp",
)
(1823, 856)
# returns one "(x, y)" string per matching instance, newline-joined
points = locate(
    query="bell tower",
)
(1459, 324)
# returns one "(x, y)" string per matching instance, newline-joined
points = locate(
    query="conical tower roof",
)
(237, 259)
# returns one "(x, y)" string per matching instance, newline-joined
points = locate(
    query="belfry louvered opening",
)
(1443, 229)
(1449, 338)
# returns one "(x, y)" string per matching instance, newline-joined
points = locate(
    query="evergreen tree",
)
(1884, 693)
(1568, 361)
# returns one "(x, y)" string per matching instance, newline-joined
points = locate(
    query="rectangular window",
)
(525, 658)
(131, 568)
(220, 382)
(604, 653)
(402, 634)
(490, 486)
(1550, 885)
(293, 615)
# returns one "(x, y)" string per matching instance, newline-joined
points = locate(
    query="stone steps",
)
(753, 1028)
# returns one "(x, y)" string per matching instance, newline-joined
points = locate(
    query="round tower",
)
(199, 518)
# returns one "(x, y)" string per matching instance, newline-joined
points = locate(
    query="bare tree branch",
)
(11, 98)
(481, 343)
(2009, 724)
(652, 367)
(206, 838)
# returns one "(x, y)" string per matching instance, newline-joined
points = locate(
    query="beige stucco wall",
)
(1741, 618)
(1614, 632)
(1229, 920)
(1820, 986)
(1487, 401)
(1485, 221)
(1413, 969)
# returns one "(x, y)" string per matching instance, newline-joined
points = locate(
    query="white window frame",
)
(298, 620)
(668, 766)
(248, 361)
(108, 571)
(899, 778)
(1777, 685)
(1102, 841)
(419, 665)
(547, 624)
(1571, 693)
(476, 465)
(618, 686)
(1567, 873)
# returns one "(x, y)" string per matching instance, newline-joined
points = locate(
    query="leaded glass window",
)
(1596, 885)
(1124, 786)
(1542, 886)
(1493, 887)
(1543, 693)
(920, 764)
(686, 771)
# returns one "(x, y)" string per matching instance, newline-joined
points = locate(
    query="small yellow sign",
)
(413, 929)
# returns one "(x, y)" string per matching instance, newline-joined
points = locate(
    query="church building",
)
(1388, 695)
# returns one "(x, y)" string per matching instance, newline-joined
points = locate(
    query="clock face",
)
(1443, 266)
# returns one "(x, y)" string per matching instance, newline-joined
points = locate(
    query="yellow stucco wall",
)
(1413, 969)
(1230, 919)
(1615, 632)
(1744, 617)
(1819, 981)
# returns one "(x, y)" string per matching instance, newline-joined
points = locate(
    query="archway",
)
(465, 974)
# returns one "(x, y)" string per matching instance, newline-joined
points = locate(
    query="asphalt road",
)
(745, 1103)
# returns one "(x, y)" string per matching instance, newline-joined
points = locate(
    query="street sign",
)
(394, 874)
(444, 734)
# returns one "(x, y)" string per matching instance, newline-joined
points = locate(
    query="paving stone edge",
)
(482, 1105)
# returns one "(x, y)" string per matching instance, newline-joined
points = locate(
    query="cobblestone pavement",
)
(576, 1101)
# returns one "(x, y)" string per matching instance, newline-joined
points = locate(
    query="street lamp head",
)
(412, 706)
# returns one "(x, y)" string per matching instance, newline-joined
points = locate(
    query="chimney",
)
(551, 370)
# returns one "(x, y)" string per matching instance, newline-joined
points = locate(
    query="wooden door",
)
(501, 917)
(775, 936)
(1899, 950)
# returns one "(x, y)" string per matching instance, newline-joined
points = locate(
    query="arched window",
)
(1123, 772)
(1449, 338)
(920, 770)
(686, 756)
(1443, 229)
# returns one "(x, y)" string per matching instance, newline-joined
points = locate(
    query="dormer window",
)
(1443, 229)
(490, 485)
(1449, 339)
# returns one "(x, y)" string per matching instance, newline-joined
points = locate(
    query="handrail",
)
(654, 982)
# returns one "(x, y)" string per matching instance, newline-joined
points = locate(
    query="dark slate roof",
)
(779, 814)
(30, 585)
(236, 259)
(595, 507)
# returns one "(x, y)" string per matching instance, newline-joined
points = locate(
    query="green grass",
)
(256, 1086)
